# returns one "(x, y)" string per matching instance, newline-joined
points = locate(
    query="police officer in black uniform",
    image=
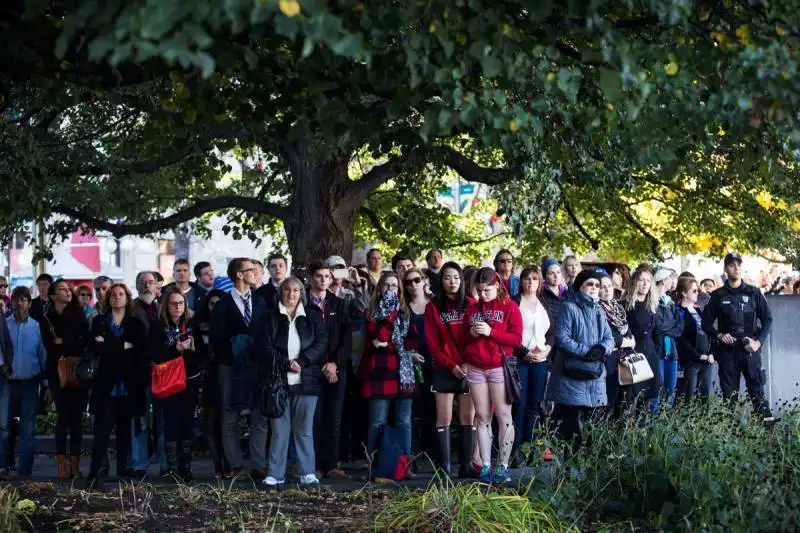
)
(743, 322)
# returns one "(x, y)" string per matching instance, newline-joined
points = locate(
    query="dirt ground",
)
(140, 508)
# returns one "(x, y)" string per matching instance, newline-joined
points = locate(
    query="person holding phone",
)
(120, 384)
(444, 318)
(492, 329)
(170, 338)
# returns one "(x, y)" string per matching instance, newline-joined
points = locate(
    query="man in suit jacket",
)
(232, 324)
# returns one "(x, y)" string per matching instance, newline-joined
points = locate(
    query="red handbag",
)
(168, 379)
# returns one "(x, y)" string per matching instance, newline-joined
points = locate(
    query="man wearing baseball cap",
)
(743, 322)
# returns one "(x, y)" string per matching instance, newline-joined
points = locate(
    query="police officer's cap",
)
(732, 257)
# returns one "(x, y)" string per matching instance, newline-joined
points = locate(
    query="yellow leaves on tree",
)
(290, 8)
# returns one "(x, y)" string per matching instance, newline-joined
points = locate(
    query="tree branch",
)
(471, 171)
(655, 244)
(592, 241)
(358, 191)
(376, 223)
(476, 241)
(199, 208)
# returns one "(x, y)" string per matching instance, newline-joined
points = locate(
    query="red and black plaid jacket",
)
(380, 367)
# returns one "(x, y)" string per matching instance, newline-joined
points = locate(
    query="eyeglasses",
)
(176, 304)
(415, 281)
(251, 269)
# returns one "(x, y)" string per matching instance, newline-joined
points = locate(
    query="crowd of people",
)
(324, 359)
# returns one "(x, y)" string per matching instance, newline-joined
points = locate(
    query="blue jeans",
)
(379, 415)
(140, 450)
(668, 369)
(697, 377)
(26, 393)
(533, 380)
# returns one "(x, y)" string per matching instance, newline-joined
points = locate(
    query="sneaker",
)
(309, 479)
(486, 474)
(501, 475)
(272, 482)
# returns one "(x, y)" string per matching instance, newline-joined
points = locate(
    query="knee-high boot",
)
(443, 438)
(465, 470)
(185, 461)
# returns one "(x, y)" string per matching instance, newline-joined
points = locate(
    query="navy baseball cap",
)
(732, 257)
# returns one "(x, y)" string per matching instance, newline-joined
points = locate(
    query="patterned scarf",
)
(616, 315)
(387, 305)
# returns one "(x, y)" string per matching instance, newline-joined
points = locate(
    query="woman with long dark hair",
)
(212, 410)
(120, 383)
(65, 333)
(171, 338)
(492, 329)
(444, 317)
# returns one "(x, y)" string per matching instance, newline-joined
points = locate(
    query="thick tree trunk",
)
(324, 213)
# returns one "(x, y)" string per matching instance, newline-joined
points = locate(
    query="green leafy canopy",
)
(633, 129)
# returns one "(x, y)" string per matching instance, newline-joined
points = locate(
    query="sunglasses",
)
(3, 285)
(591, 283)
(415, 281)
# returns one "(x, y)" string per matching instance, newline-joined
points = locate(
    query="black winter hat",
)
(587, 274)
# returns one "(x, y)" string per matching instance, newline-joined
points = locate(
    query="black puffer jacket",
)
(271, 348)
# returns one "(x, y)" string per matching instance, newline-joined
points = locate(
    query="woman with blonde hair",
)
(642, 306)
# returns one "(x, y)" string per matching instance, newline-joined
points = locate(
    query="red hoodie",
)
(443, 332)
(505, 320)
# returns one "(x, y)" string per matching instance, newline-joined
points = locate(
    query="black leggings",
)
(116, 413)
(70, 406)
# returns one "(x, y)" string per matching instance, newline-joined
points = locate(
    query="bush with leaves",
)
(693, 468)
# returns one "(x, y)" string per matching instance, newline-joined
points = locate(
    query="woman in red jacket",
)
(387, 368)
(444, 318)
(492, 329)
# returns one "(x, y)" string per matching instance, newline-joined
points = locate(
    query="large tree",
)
(117, 114)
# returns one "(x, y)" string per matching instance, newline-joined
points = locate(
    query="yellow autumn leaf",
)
(432, 27)
(719, 36)
(721, 132)
(764, 199)
(610, 106)
(290, 8)
(65, 65)
(507, 30)
(780, 31)
(671, 69)
(513, 126)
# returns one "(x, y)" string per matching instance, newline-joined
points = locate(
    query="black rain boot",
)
(171, 451)
(185, 464)
(443, 437)
(465, 470)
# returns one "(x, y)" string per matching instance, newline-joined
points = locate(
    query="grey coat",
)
(581, 324)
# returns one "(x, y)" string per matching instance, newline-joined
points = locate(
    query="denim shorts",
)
(477, 376)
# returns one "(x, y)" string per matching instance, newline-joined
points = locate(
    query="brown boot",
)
(74, 466)
(62, 470)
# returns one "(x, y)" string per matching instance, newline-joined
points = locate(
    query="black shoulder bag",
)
(274, 394)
